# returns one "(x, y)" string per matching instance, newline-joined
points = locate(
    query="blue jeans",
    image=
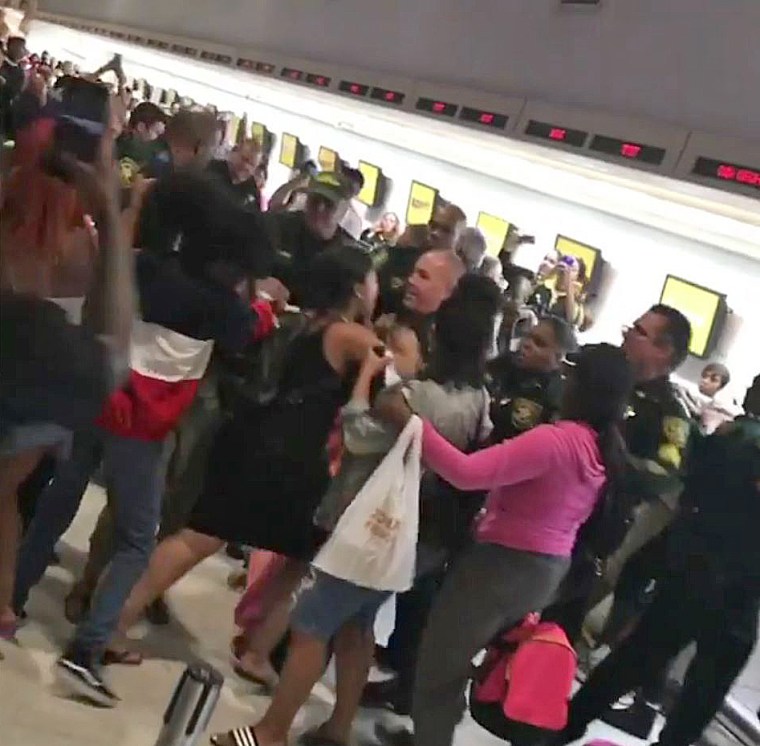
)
(135, 472)
(56, 507)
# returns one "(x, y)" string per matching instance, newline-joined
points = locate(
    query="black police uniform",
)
(521, 399)
(708, 594)
(244, 193)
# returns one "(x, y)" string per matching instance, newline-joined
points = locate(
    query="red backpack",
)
(525, 682)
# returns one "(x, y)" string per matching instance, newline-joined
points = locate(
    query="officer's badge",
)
(675, 433)
(128, 169)
(525, 413)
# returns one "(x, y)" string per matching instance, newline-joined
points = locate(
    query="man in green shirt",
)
(140, 141)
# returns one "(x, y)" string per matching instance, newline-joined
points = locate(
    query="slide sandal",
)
(244, 736)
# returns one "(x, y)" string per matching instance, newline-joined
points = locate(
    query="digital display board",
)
(556, 133)
(327, 159)
(442, 108)
(486, 118)
(289, 147)
(355, 89)
(253, 65)
(591, 257)
(495, 230)
(371, 189)
(291, 73)
(419, 208)
(221, 59)
(721, 171)
(632, 151)
(388, 96)
(701, 306)
(321, 81)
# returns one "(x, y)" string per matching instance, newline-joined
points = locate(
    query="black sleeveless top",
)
(268, 469)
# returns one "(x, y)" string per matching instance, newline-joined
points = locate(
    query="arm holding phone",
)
(111, 298)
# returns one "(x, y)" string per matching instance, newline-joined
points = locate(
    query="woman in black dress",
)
(268, 468)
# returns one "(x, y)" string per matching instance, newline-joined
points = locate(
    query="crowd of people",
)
(239, 369)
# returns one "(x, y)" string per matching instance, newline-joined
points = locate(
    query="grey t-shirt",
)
(460, 414)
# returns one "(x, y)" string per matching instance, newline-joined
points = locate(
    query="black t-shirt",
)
(294, 247)
(246, 193)
(393, 275)
(50, 370)
(521, 399)
(185, 208)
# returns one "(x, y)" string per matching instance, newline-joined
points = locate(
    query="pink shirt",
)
(543, 484)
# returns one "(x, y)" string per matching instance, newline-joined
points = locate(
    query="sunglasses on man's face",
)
(638, 329)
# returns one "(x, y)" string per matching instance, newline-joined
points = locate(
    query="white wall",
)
(690, 62)
(639, 257)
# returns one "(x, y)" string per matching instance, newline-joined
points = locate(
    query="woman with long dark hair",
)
(543, 486)
(338, 615)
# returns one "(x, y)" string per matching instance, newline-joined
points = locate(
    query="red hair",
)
(39, 212)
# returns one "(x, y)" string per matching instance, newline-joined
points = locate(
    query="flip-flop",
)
(122, 658)
(244, 736)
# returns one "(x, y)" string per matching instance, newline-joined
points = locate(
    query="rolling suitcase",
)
(191, 706)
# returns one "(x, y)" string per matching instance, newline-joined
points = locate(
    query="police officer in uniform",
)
(709, 592)
(657, 433)
(526, 386)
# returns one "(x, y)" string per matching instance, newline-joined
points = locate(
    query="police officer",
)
(708, 594)
(526, 386)
(657, 430)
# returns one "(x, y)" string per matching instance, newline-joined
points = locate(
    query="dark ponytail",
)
(599, 390)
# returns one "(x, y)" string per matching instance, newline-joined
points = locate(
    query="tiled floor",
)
(32, 713)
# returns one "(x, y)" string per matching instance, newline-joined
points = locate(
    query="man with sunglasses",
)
(657, 430)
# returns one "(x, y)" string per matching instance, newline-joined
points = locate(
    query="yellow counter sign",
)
(327, 159)
(494, 230)
(421, 204)
(567, 246)
(699, 305)
(258, 133)
(289, 150)
(371, 174)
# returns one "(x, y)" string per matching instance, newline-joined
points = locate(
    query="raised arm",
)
(510, 462)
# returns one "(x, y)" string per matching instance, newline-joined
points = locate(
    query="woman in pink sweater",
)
(544, 485)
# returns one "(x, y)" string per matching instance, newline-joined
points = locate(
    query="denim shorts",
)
(325, 603)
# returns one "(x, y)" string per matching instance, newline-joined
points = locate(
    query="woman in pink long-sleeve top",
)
(544, 485)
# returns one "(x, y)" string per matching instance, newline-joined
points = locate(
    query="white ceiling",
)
(687, 62)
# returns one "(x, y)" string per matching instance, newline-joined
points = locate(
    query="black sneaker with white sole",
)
(80, 671)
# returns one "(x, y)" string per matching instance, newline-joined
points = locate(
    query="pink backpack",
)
(525, 682)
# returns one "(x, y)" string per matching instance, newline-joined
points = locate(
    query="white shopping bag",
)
(374, 542)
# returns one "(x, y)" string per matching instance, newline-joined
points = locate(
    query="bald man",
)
(442, 233)
(432, 281)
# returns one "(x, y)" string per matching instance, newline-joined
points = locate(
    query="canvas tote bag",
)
(374, 542)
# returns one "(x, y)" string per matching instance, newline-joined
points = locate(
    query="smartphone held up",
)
(82, 114)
